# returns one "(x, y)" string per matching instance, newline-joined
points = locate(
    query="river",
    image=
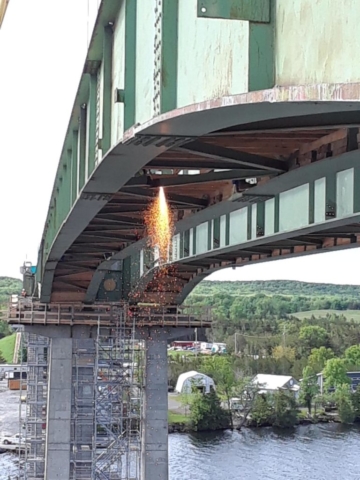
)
(314, 452)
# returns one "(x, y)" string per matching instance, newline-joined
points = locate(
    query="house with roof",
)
(189, 380)
(273, 383)
(353, 376)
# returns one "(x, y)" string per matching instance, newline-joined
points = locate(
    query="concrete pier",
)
(155, 422)
(155, 458)
(57, 453)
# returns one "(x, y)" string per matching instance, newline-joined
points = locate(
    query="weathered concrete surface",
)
(57, 454)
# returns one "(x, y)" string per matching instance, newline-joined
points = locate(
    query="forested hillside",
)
(8, 286)
(270, 338)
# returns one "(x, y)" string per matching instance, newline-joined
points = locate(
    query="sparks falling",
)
(159, 225)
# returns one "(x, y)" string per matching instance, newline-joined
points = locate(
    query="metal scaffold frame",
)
(33, 436)
(83, 409)
(118, 400)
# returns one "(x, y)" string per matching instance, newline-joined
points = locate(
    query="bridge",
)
(247, 113)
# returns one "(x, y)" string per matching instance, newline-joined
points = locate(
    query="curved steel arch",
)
(182, 125)
(289, 180)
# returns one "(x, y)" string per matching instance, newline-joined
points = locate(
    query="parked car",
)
(14, 440)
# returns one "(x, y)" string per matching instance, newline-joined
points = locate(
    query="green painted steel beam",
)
(227, 229)
(169, 55)
(261, 73)
(74, 167)
(251, 10)
(277, 214)
(311, 202)
(107, 88)
(330, 197)
(249, 221)
(260, 219)
(82, 148)
(92, 147)
(356, 189)
(209, 239)
(130, 64)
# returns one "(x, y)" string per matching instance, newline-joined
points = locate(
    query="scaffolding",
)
(33, 427)
(118, 379)
(83, 408)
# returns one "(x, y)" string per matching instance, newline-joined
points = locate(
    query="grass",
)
(173, 353)
(177, 418)
(349, 314)
(7, 346)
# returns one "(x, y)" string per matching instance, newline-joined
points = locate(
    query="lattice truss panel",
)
(118, 401)
(35, 388)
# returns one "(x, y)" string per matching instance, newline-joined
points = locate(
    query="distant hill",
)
(9, 286)
(277, 287)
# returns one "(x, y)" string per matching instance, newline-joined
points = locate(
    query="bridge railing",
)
(31, 311)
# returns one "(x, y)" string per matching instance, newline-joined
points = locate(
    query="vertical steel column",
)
(155, 412)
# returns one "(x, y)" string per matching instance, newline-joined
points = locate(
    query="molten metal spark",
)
(160, 226)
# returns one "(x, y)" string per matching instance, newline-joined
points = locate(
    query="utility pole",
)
(196, 345)
(235, 344)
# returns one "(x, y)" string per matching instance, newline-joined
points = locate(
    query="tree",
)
(285, 409)
(335, 373)
(344, 404)
(2, 359)
(313, 336)
(352, 356)
(206, 412)
(281, 352)
(262, 411)
(222, 372)
(355, 398)
(318, 358)
(309, 388)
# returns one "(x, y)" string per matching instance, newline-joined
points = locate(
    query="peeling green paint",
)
(107, 88)
(261, 74)
(169, 55)
(130, 64)
(92, 148)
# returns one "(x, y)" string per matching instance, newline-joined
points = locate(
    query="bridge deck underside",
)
(224, 160)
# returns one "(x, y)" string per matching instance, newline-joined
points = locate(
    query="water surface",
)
(314, 452)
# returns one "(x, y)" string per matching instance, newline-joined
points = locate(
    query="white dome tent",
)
(187, 381)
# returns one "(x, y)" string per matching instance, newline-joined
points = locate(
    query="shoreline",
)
(182, 427)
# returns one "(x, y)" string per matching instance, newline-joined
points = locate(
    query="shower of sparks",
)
(160, 226)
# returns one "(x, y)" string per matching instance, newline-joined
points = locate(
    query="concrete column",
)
(57, 453)
(155, 422)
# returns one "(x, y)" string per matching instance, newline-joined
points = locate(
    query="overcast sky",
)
(42, 50)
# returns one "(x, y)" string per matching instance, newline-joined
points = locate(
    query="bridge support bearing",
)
(155, 459)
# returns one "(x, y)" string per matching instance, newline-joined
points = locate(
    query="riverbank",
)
(178, 423)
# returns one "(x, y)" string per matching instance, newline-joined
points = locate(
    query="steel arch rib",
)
(127, 157)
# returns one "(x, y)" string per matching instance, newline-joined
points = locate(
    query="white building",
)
(274, 383)
(187, 381)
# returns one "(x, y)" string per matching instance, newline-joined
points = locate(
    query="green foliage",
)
(7, 345)
(313, 336)
(262, 411)
(206, 413)
(352, 356)
(344, 403)
(335, 373)
(4, 329)
(8, 287)
(309, 388)
(285, 410)
(2, 359)
(356, 403)
(319, 357)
